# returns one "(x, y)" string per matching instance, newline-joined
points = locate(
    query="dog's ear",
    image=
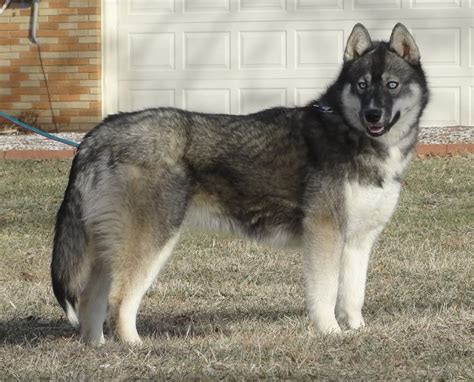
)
(403, 44)
(357, 43)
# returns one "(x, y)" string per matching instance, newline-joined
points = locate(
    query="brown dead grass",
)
(226, 309)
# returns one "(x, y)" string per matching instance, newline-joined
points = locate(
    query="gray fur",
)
(286, 176)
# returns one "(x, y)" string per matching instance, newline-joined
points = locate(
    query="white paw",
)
(92, 339)
(328, 327)
(353, 319)
(133, 339)
(356, 323)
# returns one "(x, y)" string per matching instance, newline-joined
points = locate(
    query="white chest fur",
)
(369, 207)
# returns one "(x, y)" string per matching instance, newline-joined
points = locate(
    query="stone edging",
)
(36, 154)
(448, 149)
(422, 150)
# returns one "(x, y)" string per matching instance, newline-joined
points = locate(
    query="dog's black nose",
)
(373, 115)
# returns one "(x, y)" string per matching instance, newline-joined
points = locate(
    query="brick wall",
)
(59, 78)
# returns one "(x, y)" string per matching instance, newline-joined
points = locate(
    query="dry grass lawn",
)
(226, 309)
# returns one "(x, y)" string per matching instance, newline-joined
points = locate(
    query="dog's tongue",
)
(376, 129)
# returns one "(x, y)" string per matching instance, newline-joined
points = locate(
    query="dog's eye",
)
(392, 84)
(362, 85)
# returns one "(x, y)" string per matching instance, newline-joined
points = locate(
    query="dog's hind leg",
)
(151, 211)
(323, 247)
(130, 283)
(93, 304)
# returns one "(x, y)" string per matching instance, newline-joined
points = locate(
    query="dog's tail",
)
(70, 265)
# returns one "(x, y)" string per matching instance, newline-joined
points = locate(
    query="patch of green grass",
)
(225, 308)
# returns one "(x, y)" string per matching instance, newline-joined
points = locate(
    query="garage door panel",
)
(304, 95)
(447, 41)
(207, 100)
(188, 11)
(150, 51)
(374, 4)
(235, 96)
(435, 4)
(471, 47)
(206, 6)
(142, 99)
(270, 49)
(156, 6)
(262, 49)
(380, 34)
(318, 5)
(444, 107)
(319, 48)
(471, 102)
(207, 50)
(244, 96)
(262, 5)
(255, 99)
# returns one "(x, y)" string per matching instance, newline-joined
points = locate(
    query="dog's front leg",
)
(323, 247)
(354, 262)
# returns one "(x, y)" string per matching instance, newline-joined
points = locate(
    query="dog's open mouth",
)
(376, 130)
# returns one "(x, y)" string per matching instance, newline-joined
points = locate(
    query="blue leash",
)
(38, 131)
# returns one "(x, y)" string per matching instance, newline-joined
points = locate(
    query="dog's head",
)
(383, 85)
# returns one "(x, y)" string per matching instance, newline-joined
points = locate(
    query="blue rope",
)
(38, 131)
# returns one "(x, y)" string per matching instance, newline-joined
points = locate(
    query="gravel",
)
(37, 142)
(440, 135)
(428, 135)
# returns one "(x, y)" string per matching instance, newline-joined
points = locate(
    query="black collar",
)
(323, 108)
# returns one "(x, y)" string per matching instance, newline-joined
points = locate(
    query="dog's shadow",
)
(201, 324)
(33, 330)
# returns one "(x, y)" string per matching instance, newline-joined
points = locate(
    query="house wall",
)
(60, 78)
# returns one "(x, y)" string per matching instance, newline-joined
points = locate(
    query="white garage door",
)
(239, 56)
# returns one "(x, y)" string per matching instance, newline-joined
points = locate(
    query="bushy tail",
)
(69, 266)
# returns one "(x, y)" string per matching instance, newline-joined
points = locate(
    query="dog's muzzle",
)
(374, 124)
